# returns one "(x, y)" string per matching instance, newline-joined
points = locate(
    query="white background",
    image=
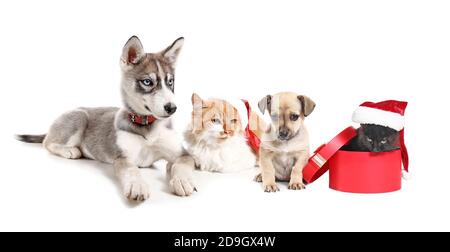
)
(58, 55)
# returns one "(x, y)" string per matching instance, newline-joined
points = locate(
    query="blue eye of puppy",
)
(147, 82)
(294, 117)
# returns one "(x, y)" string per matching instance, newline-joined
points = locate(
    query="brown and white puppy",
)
(284, 147)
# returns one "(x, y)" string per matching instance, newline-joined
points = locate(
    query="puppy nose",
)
(283, 133)
(170, 108)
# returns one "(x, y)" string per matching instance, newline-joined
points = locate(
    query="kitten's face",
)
(377, 138)
(215, 118)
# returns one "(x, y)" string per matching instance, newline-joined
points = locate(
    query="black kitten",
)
(374, 138)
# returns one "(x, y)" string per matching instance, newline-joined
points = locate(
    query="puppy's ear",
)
(265, 103)
(132, 51)
(171, 52)
(308, 105)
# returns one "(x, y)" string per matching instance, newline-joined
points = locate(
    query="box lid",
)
(317, 164)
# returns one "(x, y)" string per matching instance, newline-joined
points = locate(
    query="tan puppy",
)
(285, 144)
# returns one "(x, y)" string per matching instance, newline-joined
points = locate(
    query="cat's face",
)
(216, 119)
(377, 138)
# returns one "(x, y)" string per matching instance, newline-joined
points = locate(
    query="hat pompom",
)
(406, 175)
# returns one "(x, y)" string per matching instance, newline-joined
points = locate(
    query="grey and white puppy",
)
(134, 136)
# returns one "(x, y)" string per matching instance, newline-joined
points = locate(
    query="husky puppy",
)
(136, 135)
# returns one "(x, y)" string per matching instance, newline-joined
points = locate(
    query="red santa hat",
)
(386, 113)
(244, 109)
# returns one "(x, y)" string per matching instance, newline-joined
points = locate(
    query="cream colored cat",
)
(215, 142)
(215, 138)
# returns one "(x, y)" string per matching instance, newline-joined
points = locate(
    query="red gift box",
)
(355, 172)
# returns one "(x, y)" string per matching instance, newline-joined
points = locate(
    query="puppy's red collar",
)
(141, 120)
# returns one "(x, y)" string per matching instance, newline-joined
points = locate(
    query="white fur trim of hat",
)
(366, 115)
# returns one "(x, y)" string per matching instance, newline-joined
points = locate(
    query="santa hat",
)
(244, 109)
(386, 113)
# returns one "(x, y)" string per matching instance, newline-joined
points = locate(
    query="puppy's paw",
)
(271, 188)
(182, 186)
(136, 190)
(294, 185)
(258, 178)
